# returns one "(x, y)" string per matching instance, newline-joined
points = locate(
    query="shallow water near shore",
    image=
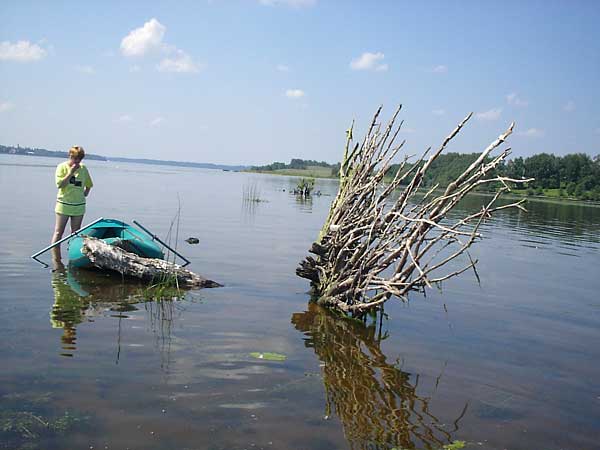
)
(89, 361)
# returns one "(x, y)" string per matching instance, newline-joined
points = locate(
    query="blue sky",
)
(256, 81)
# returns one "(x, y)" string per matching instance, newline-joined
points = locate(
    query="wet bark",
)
(111, 257)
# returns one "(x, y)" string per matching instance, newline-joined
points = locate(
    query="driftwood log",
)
(112, 257)
(383, 237)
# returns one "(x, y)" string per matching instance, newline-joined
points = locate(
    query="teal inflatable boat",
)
(114, 232)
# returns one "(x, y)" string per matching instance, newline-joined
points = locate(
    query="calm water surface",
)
(512, 363)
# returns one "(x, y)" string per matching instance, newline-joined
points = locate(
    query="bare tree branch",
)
(373, 247)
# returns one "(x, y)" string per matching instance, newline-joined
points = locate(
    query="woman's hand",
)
(74, 168)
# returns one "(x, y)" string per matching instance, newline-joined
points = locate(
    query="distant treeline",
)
(18, 150)
(574, 175)
(295, 163)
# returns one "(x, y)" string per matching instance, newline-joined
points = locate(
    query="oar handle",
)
(155, 237)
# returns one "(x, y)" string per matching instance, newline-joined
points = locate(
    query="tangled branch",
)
(375, 245)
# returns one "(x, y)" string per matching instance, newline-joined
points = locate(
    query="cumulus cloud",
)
(515, 100)
(149, 39)
(532, 132)
(369, 61)
(292, 3)
(492, 114)
(283, 68)
(294, 93)
(438, 112)
(144, 39)
(155, 122)
(85, 69)
(180, 62)
(5, 106)
(569, 106)
(440, 69)
(21, 51)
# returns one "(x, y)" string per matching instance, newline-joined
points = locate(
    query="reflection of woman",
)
(74, 183)
(68, 309)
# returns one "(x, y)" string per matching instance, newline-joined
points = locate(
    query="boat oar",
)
(156, 238)
(44, 250)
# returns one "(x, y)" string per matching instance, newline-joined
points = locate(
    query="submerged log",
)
(110, 257)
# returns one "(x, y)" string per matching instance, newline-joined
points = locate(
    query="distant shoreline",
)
(26, 151)
(306, 173)
(514, 194)
(302, 173)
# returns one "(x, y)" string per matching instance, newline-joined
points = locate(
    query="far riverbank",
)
(545, 195)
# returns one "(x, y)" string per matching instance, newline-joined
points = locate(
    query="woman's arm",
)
(88, 182)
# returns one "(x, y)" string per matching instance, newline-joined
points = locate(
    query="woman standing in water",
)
(74, 183)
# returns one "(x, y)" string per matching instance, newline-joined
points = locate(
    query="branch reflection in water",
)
(376, 402)
(82, 295)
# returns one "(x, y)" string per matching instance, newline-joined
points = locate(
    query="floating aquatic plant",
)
(456, 445)
(268, 356)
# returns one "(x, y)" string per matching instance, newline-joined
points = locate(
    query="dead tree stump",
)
(375, 245)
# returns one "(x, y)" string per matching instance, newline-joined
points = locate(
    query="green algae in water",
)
(23, 428)
(268, 356)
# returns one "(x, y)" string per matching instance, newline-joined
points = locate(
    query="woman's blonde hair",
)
(76, 152)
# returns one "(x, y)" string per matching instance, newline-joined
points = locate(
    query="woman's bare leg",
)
(57, 263)
(76, 223)
(59, 229)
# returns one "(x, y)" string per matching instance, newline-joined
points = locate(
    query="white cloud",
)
(292, 3)
(156, 122)
(440, 69)
(294, 93)
(283, 68)
(21, 51)
(515, 100)
(569, 106)
(532, 132)
(438, 112)
(125, 118)
(135, 68)
(85, 69)
(5, 106)
(144, 39)
(149, 38)
(369, 61)
(181, 62)
(492, 114)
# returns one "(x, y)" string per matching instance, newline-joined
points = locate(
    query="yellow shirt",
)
(70, 200)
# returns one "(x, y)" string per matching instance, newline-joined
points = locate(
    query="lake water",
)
(511, 363)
